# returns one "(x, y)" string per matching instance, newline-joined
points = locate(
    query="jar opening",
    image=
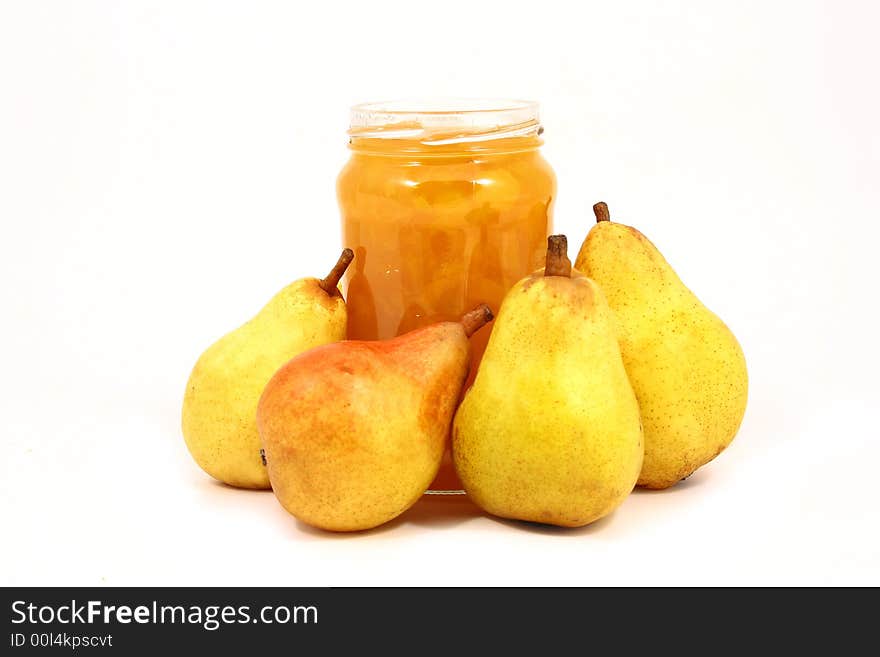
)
(445, 121)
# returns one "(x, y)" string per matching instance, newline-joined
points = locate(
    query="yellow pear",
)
(550, 432)
(220, 403)
(354, 432)
(686, 367)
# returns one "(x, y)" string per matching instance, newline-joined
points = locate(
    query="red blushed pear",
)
(354, 432)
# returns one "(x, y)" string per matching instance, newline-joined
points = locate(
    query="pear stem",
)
(601, 212)
(476, 318)
(557, 263)
(329, 283)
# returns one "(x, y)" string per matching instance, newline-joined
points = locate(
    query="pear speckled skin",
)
(550, 432)
(686, 367)
(354, 432)
(220, 403)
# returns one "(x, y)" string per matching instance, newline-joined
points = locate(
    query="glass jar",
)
(446, 205)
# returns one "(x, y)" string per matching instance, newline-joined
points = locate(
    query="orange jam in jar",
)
(446, 206)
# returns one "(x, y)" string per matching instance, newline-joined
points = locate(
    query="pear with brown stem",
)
(354, 432)
(550, 432)
(220, 403)
(686, 367)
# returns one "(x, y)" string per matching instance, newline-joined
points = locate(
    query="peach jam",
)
(446, 206)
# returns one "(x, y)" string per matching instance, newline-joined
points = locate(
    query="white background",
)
(165, 167)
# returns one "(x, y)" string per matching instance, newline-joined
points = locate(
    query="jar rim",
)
(445, 120)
